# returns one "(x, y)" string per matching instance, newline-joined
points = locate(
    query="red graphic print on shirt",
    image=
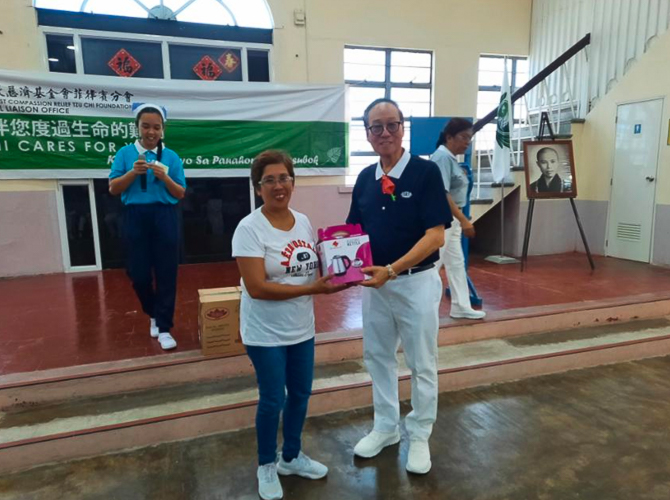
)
(300, 258)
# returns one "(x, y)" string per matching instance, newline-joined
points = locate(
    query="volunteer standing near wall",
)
(400, 203)
(275, 250)
(454, 140)
(150, 179)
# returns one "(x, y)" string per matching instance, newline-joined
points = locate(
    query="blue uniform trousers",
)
(152, 242)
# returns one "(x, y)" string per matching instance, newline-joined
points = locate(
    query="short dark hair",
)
(381, 100)
(270, 157)
(453, 128)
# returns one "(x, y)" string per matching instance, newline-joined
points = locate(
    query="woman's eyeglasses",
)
(271, 181)
(392, 128)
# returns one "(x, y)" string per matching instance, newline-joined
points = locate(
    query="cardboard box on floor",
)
(219, 321)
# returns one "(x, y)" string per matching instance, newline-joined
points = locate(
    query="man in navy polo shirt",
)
(400, 203)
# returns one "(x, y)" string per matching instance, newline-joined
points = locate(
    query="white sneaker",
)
(153, 329)
(269, 487)
(375, 442)
(302, 466)
(418, 458)
(166, 341)
(467, 314)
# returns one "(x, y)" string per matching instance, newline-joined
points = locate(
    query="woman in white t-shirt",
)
(276, 254)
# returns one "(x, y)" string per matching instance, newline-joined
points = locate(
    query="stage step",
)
(121, 377)
(32, 434)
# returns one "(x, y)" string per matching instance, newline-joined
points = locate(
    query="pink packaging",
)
(343, 251)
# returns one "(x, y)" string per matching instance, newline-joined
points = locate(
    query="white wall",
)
(621, 32)
(458, 32)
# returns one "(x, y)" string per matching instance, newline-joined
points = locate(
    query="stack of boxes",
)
(219, 321)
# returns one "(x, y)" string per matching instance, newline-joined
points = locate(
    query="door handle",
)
(650, 179)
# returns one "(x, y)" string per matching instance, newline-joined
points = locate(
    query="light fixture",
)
(53, 59)
(71, 47)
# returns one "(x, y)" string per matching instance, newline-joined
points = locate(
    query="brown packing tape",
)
(216, 291)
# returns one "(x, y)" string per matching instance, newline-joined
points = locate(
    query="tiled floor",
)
(72, 319)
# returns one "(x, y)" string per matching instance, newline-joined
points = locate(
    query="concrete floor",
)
(601, 433)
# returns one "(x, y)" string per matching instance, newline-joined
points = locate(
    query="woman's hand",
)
(323, 285)
(159, 172)
(140, 167)
(468, 229)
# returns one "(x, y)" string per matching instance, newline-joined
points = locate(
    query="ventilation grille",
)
(628, 232)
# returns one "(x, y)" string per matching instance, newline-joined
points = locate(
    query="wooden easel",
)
(544, 121)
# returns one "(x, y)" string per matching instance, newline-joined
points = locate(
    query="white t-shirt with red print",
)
(290, 259)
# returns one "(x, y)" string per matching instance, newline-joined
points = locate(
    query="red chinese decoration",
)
(207, 69)
(388, 186)
(123, 64)
(229, 61)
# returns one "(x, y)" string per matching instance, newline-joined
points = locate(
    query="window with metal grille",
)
(406, 76)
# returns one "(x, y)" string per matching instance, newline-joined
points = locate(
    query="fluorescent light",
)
(53, 59)
(71, 47)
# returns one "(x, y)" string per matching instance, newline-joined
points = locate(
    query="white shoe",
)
(418, 458)
(153, 329)
(375, 442)
(166, 341)
(467, 314)
(302, 466)
(269, 487)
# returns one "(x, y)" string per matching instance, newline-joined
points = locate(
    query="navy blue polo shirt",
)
(396, 226)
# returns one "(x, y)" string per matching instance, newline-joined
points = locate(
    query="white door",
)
(631, 217)
(78, 226)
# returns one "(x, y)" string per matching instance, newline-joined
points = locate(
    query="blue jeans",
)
(284, 375)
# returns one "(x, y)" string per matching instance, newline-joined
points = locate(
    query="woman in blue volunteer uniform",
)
(454, 140)
(150, 179)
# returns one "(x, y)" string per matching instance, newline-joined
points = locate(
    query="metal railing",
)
(575, 99)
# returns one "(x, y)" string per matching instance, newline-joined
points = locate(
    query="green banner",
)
(29, 142)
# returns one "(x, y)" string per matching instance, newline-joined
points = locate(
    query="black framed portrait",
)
(550, 169)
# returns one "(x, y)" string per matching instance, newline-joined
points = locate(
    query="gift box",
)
(343, 251)
(219, 321)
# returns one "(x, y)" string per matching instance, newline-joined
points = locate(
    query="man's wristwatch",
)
(392, 273)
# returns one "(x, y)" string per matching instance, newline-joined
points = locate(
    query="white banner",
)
(55, 125)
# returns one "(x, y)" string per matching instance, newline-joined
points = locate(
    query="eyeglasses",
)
(464, 136)
(271, 181)
(392, 128)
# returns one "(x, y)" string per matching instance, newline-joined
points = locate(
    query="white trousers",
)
(453, 260)
(403, 311)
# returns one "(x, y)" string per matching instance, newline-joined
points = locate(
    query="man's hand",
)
(468, 229)
(379, 274)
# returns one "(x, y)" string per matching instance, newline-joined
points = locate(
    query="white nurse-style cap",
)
(139, 106)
